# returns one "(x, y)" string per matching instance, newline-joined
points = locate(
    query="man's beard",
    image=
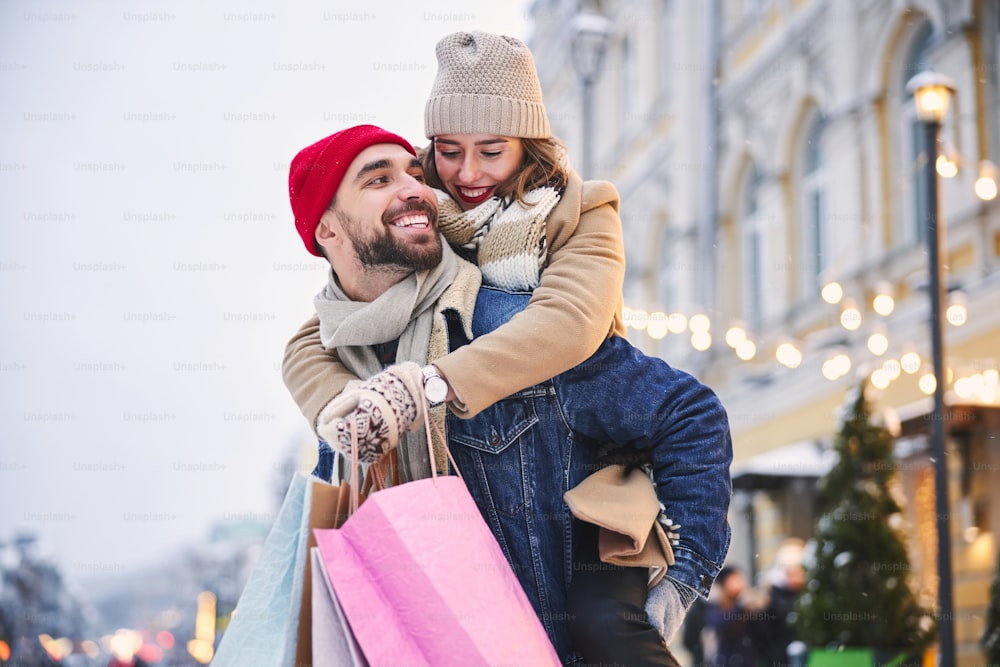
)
(382, 250)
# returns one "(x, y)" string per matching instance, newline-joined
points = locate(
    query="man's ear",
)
(329, 233)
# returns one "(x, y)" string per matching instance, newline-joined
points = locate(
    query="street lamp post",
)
(932, 93)
(590, 34)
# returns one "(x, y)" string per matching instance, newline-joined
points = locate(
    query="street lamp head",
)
(932, 94)
(590, 33)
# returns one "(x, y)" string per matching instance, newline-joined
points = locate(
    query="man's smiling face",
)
(387, 212)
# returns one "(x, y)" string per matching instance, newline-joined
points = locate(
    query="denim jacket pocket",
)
(494, 451)
(495, 429)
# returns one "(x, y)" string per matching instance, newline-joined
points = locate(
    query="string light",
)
(956, 314)
(986, 183)
(910, 362)
(983, 387)
(878, 343)
(946, 164)
(699, 323)
(657, 326)
(735, 335)
(746, 350)
(880, 378)
(701, 340)
(677, 323)
(891, 368)
(836, 366)
(883, 303)
(639, 319)
(832, 293)
(788, 355)
(850, 316)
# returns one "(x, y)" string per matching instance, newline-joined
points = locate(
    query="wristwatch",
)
(435, 388)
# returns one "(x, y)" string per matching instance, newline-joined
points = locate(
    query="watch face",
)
(436, 390)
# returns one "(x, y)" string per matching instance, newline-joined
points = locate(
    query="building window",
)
(751, 243)
(670, 267)
(752, 9)
(629, 85)
(815, 232)
(915, 213)
(666, 45)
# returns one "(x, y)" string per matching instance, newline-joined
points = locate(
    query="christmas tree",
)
(991, 633)
(858, 592)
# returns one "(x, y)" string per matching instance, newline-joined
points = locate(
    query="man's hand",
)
(381, 409)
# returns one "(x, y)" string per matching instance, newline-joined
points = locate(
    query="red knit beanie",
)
(317, 170)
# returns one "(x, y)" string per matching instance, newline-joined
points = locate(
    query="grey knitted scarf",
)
(404, 312)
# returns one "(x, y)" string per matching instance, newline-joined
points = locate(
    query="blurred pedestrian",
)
(784, 582)
(691, 634)
(734, 626)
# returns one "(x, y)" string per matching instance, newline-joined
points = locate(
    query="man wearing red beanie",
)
(359, 199)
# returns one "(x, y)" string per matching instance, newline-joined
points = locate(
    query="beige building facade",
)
(768, 152)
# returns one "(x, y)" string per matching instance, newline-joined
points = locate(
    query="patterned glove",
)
(381, 408)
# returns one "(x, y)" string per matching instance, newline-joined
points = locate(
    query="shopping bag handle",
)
(356, 473)
(430, 424)
(430, 429)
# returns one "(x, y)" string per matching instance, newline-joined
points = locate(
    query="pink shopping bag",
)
(422, 581)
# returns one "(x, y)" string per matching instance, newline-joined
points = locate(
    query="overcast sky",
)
(149, 270)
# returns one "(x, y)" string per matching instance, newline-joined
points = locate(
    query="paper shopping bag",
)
(422, 581)
(271, 624)
(333, 643)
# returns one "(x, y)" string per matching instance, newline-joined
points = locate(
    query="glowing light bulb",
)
(986, 184)
(946, 165)
(746, 350)
(657, 326)
(699, 323)
(639, 319)
(891, 368)
(735, 335)
(956, 314)
(850, 316)
(880, 379)
(878, 343)
(830, 370)
(965, 388)
(883, 302)
(701, 340)
(832, 292)
(788, 355)
(910, 362)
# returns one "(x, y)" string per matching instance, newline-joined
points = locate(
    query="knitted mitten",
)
(381, 409)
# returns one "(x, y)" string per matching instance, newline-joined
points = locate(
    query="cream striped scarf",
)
(509, 235)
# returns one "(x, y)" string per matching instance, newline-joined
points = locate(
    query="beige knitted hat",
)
(485, 84)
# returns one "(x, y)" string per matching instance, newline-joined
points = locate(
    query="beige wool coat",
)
(576, 306)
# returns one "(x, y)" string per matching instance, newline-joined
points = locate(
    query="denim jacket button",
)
(495, 439)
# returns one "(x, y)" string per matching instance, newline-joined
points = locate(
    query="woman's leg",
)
(622, 397)
(608, 621)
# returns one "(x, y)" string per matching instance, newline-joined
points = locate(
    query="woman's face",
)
(471, 166)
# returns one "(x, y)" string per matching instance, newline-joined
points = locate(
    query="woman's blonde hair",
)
(542, 165)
